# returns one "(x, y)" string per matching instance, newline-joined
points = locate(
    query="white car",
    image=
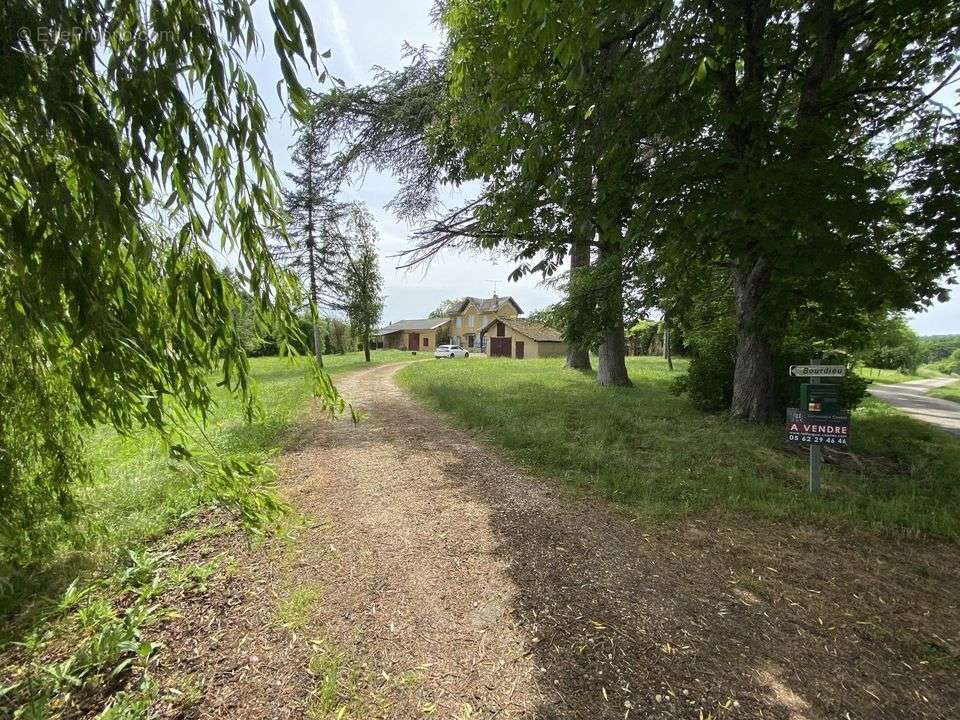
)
(450, 351)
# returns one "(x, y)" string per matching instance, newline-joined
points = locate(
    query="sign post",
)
(814, 484)
(819, 420)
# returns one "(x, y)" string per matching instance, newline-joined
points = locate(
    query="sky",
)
(362, 34)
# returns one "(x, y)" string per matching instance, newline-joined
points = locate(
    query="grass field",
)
(137, 493)
(950, 392)
(650, 450)
(893, 377)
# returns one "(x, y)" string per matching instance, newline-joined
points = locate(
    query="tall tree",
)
(363, 294)
(787, 161)
(312, 250)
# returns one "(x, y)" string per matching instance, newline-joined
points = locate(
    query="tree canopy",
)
(784, 163)
(128, 152)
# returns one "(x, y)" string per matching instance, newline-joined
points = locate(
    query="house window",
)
(459, 323)
(470, 320)
(426, 342)
(483, 321)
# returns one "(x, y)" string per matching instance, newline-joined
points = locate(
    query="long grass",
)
(894, 377)
(137, 493)
(652, 451)
(949, 392)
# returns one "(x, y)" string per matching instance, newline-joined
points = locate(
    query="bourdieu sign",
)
(817, 370)
(817, 428)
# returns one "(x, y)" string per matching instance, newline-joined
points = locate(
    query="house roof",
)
(488, 304)
(425, 324)
(533, 330)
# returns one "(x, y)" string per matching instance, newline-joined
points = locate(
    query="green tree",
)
(892, 345)
(363, 300)
(446, 308)
(801, 145)
(312, 250)
(126, 153)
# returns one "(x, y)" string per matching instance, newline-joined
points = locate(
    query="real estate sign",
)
(810, 428)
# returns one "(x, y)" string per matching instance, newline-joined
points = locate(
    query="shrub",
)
(709, 379)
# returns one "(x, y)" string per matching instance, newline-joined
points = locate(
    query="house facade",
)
(463, 327)
(473, 314)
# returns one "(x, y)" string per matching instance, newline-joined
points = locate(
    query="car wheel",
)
(466, 354)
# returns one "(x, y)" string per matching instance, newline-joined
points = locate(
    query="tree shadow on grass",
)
(670, 620)
(716, 615)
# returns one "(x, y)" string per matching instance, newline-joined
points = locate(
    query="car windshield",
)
(443, 347)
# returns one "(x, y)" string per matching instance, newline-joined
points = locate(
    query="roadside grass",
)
(948, 392)
(138, 493)
(893, 377)
(652, 451)
(77, 630)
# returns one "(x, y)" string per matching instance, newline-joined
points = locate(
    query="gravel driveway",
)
(510, 596)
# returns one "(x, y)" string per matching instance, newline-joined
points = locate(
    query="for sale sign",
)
(810, 428)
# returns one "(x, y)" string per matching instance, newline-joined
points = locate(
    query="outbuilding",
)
(423, 334)
(516, 338)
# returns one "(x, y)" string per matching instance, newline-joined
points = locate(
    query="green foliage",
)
(363, 284)
(939, 347)
(108, 622)
(446, 308)
(892, 345)
(952, 364)
(709, 379)
(662, 458)
(127, 152)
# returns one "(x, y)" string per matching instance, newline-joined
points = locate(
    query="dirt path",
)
(449, 584)
(521, 602)
(912, 398)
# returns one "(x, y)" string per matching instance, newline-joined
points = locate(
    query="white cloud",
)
(342, 34)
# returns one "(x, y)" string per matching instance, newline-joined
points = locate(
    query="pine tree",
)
(313, 251)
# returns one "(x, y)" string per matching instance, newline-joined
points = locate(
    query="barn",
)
(516, 338)
(423, 334)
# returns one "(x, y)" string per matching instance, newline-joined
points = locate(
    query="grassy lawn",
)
(892, 377)
(949, 392)
(652, 451)
(137, 492)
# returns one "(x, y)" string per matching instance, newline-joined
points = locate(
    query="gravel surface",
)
(451, 584)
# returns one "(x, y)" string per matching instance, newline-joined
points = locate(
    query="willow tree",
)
(127, 152)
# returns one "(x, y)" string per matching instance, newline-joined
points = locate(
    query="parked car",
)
(449, 351)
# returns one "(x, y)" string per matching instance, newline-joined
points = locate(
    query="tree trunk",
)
(366, 348)
(314, 314)
(753, 375)
(611, 365)
(667, 353)
(578, 357)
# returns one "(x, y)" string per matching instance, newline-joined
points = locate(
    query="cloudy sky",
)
(362, 34)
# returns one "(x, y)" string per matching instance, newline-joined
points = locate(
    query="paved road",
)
(912, 398)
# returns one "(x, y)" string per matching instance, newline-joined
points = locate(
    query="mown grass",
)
(138, 493)
(653, 451)
(893, 377)
(948, 392)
